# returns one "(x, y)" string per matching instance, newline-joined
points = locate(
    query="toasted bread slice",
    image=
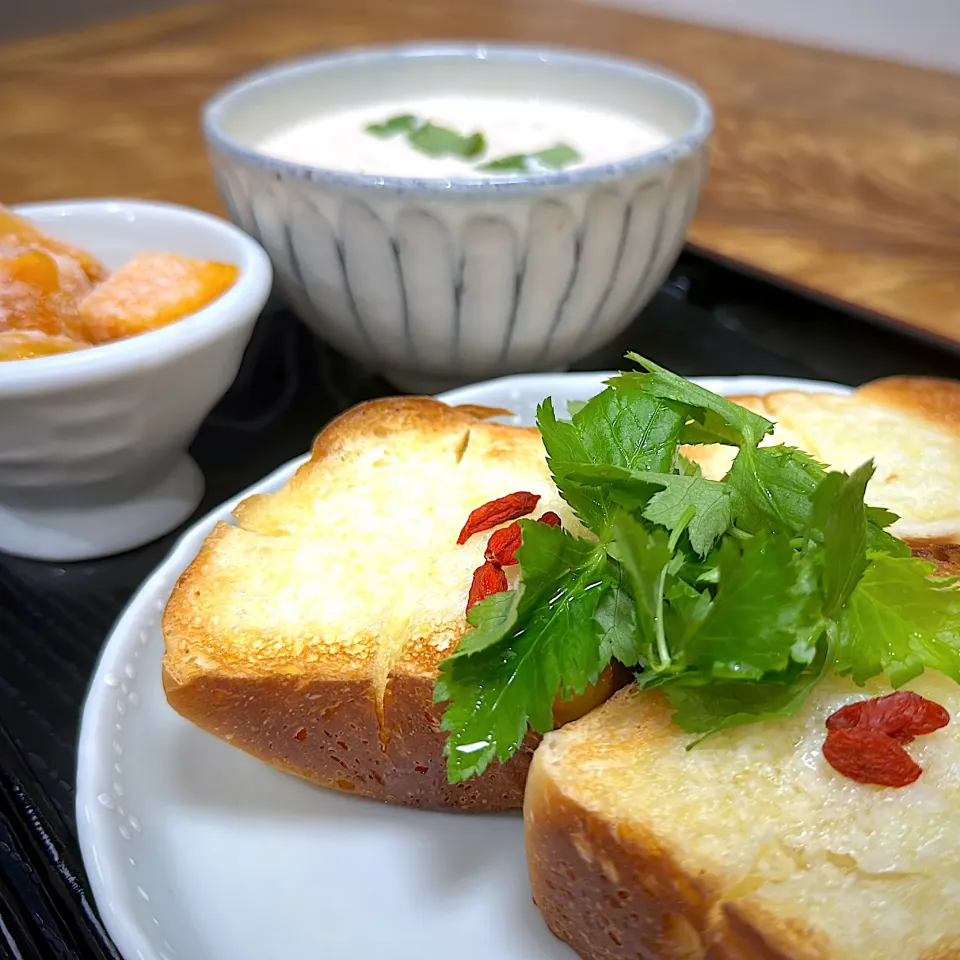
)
(909, 425)
(309, 633)
(749, 846)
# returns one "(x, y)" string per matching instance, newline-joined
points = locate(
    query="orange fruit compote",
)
(56, 298)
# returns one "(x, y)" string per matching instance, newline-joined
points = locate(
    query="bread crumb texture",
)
(776, 848)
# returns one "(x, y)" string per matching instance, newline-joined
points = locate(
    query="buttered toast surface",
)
(308, 633)
(910, 426)
(749, 846)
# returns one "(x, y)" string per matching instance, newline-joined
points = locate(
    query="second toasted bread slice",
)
(747, 847)
(309, 632)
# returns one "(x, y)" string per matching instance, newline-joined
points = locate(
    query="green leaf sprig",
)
(437, 141)
(735, 597)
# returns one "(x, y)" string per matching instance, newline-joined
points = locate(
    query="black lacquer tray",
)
(705, 321)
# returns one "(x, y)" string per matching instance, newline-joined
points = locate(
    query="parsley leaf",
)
(646, 555)
(718, 705)
(638, 434)
(685, 610)
(668, 507)
(879, 539)
(764, 615)
(734, 597)
(565, 448)
(899, 620)
(493, 617)
(773, 486)
(495, 689)
(776, 485)
(711, 500)
(839, 522)
(720, 420)
(616, 617)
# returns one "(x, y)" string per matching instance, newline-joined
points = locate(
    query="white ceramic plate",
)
(196, 851)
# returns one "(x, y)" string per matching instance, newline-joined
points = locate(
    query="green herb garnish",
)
(437, 141)
(404, 123)
(429, 138)
(557, 157)
(734, 596)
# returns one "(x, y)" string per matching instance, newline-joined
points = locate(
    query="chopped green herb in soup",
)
(466, 136)
(557, 157)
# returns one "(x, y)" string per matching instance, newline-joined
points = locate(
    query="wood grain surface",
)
(835, 173)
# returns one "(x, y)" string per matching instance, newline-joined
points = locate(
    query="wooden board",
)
(835, 173)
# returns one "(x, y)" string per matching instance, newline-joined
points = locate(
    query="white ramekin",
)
(93, 444)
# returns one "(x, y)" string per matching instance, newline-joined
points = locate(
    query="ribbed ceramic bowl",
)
(442, 281)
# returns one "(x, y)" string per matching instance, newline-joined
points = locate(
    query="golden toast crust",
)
(328, 732)
(350, 706)
(935, 399)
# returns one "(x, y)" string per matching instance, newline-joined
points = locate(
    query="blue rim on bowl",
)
(216, 109)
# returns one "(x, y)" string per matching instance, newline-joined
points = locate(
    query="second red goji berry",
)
(869, 756)
(503, 544)
(902, 715)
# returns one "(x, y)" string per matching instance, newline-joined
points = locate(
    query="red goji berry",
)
(869, 756)
(488, 579)
(902, 715)
(502, 545)
(492, 514)
(847, 717)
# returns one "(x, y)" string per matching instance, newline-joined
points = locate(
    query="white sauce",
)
(339, 140)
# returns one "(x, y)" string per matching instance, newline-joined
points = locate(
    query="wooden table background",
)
(832, 172)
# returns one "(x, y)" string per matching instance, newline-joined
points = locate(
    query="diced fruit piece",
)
(32, 267)
(150, 291)
(33, 294)
(18, 231)
(26, 344)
